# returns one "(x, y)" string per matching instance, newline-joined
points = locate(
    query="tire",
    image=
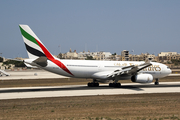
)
(89, 84)
(96, 84)
(93, 84)
(110, 84)
(156, 83)
(118, 84)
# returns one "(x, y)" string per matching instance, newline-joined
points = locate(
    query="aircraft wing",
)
(129, 70)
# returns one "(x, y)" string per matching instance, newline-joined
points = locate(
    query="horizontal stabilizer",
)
(5, 73)
(30, 66)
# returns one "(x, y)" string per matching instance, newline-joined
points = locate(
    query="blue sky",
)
(151, 26)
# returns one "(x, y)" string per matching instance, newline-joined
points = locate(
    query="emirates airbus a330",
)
(99, 71)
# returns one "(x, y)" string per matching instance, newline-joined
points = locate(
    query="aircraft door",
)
(100, 66)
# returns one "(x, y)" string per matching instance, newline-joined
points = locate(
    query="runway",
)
(83, 90)
(30, 74)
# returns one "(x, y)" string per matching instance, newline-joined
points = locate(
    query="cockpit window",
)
(168, 68)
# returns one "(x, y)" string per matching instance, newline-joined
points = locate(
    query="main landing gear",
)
(157, 81)
(93, 84)
(114, 84)
(96, 84)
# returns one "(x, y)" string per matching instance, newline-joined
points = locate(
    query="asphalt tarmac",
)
(83, 90)
(76, 90)
(29, 74)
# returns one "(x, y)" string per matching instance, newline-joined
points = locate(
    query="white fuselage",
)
(99, 69)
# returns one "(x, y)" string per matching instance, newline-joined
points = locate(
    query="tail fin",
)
(34, 46)
(36, 50)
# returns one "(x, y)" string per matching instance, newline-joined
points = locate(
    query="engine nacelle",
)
(142, 78)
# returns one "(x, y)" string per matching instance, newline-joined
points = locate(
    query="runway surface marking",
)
(83, 90)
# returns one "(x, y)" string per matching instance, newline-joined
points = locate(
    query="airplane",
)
(98, 71)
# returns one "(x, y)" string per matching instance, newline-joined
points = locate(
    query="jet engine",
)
(142, 78)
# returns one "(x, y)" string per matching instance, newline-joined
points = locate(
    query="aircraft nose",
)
(168, 71)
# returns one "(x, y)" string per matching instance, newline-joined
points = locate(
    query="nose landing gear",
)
(157, 81)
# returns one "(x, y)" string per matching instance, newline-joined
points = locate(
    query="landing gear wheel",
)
(118, 84)
(89, 85)
(96, 84)
(93, 84)
(111, 85)
(157, 82)
(114, 84)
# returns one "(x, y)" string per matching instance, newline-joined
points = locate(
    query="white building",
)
(167, 54)
(96, 55)
(101, 55)
(71, 55)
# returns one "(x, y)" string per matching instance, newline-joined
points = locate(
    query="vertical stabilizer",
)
(34, 46)
(37, 51)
